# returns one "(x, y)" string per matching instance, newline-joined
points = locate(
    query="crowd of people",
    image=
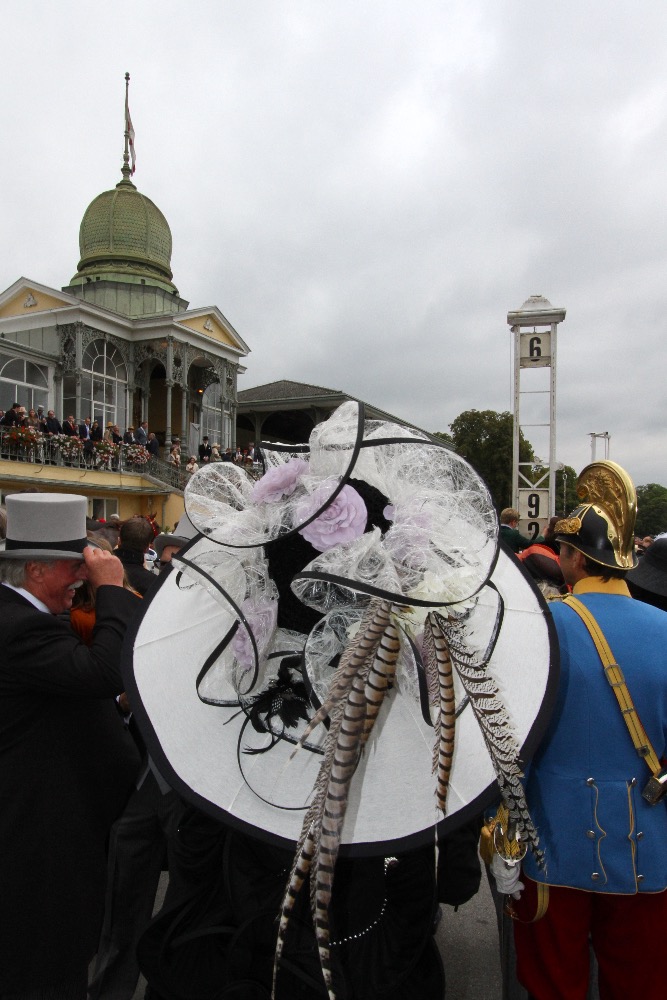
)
(88, 821)
(33, 435)
(208, 454)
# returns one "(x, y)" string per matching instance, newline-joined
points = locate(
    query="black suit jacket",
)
(52, 426)
(140, 578)
(67, 765)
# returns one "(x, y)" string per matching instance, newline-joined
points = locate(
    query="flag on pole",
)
(130, 133)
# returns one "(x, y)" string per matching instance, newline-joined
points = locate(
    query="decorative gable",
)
(210, 326)
(31, 300)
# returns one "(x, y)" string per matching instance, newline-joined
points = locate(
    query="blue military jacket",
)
(584, 785)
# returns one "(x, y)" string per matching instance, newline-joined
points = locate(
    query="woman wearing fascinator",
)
(339, 672)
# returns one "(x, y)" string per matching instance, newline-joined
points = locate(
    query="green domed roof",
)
(125, 237)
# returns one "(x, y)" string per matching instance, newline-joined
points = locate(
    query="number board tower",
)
(534, 326)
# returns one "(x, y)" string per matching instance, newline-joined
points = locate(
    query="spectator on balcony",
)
(116, 435)
(32, 420)
(191, 466)
(11, 417)
(85, 433)
(70, 427)
(205, 451)
(41, 417)
(96, 432)
(128, 436)
(52, 424)
(153, 446)
(141, 433)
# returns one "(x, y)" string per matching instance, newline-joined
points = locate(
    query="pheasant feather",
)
(495, 726)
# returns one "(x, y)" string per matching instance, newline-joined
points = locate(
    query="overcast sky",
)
(366, 188)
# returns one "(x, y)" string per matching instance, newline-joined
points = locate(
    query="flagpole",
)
(128, 170)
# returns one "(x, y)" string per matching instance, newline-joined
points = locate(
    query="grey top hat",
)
(45, 526)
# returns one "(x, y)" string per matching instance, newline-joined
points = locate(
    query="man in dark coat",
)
(205, 451)
(11, 417)
(52, 425)
(153, 446)
(509, 530)
(141, 433)
(134, 540)
(67, 762)
(70, 427)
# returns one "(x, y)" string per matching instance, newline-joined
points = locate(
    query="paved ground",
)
(468, 943)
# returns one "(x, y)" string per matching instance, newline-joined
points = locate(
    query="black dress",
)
(217, 942)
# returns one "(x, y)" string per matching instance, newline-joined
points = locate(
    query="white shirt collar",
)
(29, 597)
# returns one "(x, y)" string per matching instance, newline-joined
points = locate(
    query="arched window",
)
(103, 386)
(23, 382)
(211, 415)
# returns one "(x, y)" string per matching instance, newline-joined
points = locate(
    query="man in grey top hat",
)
(66, 762)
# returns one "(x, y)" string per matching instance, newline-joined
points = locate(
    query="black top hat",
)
(651, 573)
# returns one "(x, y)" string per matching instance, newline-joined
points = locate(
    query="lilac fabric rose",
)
(342, 521)
(262, 617)
(279, 482)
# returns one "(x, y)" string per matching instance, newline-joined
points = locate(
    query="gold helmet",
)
(603, 526)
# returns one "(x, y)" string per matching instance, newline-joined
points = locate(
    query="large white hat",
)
(223, 688)
(45, 526)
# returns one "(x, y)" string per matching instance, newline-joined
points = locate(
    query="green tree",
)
(651, 509)
(484, 438)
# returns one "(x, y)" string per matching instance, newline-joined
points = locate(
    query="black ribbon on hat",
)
(74, 545)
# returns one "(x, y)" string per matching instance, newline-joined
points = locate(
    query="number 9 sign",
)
(533, 511)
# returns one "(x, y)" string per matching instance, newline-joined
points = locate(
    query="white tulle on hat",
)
(224, 688)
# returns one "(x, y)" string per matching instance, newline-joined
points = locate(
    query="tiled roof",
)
(285, 389)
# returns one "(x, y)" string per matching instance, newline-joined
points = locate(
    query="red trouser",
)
(627, 934)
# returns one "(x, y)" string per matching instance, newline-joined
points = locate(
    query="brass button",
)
(590, 781)
(595, 876)
(640, 835)
(590, 834)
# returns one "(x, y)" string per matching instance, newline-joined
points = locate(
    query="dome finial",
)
(129, 154)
